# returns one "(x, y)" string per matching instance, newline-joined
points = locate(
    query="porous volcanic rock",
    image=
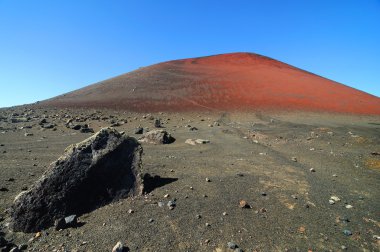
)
(158, 136)
(92, 173)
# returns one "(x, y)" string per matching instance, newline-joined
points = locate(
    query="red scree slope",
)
(235, 81)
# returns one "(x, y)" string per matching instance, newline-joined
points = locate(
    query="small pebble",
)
(118, 247)
(347, 232)
(335, 198)
(150, 220)
(232, 245)
(244, 204)
(208, 180)
(160, 204)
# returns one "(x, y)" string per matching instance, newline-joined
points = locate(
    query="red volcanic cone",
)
(236, 81)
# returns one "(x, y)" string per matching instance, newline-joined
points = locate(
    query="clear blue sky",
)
(51, 47)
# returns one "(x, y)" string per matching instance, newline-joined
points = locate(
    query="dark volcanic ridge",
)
(226, 82)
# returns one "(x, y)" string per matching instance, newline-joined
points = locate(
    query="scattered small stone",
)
(166, 195)
(28, 134)
(208, 224)
(66, 222)
(198, 216)
(294, 159)
(42, 121)
(334, 175)
(160, 204)
(344, 219)
(158, 136)
(118, 247)
(263, 194)
(331, 202)
(335, 198)
(244, 204)
(232, 245)
(294, 196)
(23, 246)
(349, 206)
(171, 204)
(312, 170)
(157, 123)
(343, 247)
(139, 130)
(130, 211)
(48, 126)
(347, 232)
(150, 220)
(202, 141)
(207, 241)
(225, 213)
(262, 210)
(86, 129)
(302, 229)
(208, 180)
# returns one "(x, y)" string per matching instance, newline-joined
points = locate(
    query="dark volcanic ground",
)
(249, 157)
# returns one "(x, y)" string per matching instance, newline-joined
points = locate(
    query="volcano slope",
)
(226, 82)
(310, 178)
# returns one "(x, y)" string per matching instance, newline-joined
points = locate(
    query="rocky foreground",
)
(212, 181)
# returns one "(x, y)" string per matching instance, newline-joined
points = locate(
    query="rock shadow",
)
(153, 182)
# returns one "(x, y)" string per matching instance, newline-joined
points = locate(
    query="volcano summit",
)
(225, 82)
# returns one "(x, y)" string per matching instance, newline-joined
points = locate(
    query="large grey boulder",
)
(90, 174)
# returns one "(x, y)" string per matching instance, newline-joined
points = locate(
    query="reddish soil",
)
(227, 82)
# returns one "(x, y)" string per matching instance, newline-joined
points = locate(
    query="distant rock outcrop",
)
(157, 137)
(92, 173)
